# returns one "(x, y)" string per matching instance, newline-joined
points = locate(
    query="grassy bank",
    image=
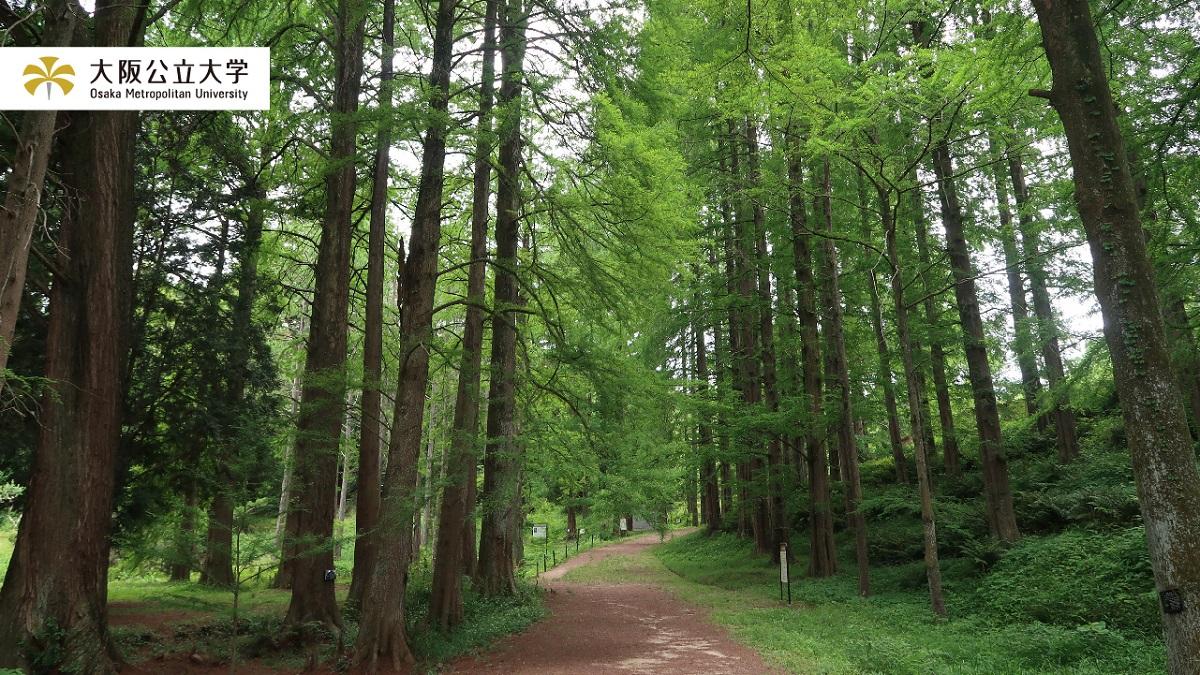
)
(828, 629)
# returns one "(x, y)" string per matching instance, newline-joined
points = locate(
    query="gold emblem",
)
(49, 74)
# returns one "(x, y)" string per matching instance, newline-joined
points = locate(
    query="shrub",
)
(1074, 579)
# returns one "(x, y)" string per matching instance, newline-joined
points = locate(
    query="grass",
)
(828, 629)
(200, 618)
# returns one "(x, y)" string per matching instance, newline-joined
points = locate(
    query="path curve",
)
(616, 628)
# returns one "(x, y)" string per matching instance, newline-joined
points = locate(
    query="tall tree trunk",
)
(502, 462)
(1180, 333)
(1031, 385)
(1001, 519)
(181, 566)
(218, 549)
(822, 552)
(284, 536)
(1164, 461)
(445, 605)
(951, 461)
(884, 371)
(18, 214)
(1047, 328)
(218, 559)
(429, 493)
(835, 347)
(382, 639)
(933, 573)
(708, 464)
(323, 398)
(57, 577)
(739, 352)
(724, 504)
(744, 248)
(776, 469)
(1000, 516)
(370, 437)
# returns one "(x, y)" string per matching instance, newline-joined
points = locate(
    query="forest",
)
(902, 293)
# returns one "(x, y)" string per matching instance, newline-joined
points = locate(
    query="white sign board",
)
(624, 525)
(135, 78)
(540, 531)
(783, 565)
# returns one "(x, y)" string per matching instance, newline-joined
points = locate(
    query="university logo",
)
(49, 74)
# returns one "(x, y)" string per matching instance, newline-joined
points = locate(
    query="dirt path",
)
(616, 628)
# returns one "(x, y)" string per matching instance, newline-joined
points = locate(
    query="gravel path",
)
(616, 628)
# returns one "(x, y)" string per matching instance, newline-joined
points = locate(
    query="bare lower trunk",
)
(218, 558)
(456, 537)
(776, 469)
(1164, 461)
(181, 566)
(755, 506)
(428, 491)
(283, 537)
(708, 465)
(496, 574)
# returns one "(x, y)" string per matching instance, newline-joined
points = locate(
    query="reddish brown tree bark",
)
(708, 464)
(496, 574)
(382, 638)
(835, 347)
(370, 437)
(55, 591)
(1002, 520)
(323, 398)
(445, 605)
(777, 518)
(822, 552)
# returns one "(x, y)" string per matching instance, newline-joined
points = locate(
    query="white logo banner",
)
(135, 78)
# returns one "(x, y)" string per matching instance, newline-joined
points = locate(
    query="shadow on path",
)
(616, 627)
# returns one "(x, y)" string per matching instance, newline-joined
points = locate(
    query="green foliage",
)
(45, 650)
(829, 629)
(1097, 491)
(894, 515)
(1076, 579)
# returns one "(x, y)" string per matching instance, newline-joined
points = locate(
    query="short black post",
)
(554, 556)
